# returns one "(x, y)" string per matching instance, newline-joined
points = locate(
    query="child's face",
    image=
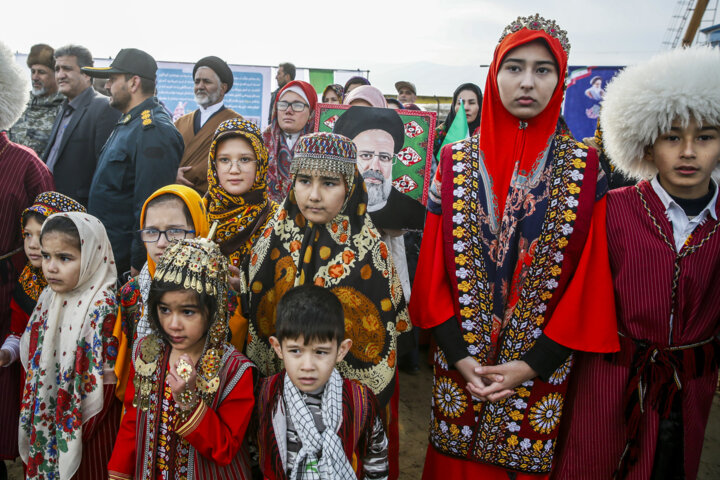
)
(236, 165)
(31, 241)
(685, 158)
(184, 320)
(320, 197)
(164, 216)
(310, 366)
(60, 262)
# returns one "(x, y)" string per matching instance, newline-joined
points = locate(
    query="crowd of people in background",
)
(203, 299)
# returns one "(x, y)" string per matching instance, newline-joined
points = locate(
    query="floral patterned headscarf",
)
(344, 255)
(241, 217)
(68, 353)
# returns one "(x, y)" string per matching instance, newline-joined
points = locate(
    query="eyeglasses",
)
(282, 105)
(383, 158)
(242, 163)
(152, 235)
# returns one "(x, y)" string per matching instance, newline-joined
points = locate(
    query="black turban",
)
(360, 119)
(217, 65)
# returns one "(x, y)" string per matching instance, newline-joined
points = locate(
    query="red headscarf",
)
(280, 155)
(502, 140)
(308, 89)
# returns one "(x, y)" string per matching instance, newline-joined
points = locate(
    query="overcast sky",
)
(441, 43)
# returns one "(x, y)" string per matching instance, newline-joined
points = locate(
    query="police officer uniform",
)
(142, 155)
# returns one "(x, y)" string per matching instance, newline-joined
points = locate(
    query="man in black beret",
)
(213, 79)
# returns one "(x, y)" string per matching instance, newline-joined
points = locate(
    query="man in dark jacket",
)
(81, 128)
(142, 154)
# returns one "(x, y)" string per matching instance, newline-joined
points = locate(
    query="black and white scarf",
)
(321, 456)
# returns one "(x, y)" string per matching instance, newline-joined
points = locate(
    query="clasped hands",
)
(494, 382)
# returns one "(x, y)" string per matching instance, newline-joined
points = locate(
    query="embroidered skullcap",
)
(48, 203)
(643, 100)
(219, 66)
(325, 152)
(359, 119)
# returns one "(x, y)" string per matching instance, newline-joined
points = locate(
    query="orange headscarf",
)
(200, 223)
(505, 139)
(194, 203)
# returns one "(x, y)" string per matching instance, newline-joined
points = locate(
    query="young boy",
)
(641, 413)
(314, 424)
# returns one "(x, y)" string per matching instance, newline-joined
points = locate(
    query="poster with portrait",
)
(395, 149)
(585, 91)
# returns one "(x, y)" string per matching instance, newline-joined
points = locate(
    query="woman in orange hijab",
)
(513, 272)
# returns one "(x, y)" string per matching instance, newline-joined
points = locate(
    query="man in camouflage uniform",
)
(34, 126)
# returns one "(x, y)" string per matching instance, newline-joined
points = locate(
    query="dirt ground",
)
(415, 412)
(415, 391)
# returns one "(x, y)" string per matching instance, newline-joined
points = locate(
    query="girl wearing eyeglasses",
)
(171, 213)
(293, 116)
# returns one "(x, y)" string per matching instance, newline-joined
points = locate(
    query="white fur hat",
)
(13, 88)
(644, 99)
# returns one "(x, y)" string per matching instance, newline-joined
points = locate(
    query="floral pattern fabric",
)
(67, 351)
(508, 274)
(346, 256)
(31, 279)
(241, 217)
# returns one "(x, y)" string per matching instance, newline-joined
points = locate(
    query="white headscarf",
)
(68, 354)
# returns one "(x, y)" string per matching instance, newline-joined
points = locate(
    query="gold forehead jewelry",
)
(536, 22)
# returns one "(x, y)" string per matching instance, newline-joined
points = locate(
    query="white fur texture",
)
(643, 101)
(14, 88)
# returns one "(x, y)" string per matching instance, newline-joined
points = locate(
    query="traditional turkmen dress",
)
(668, 305)
(208, 444)
(543, 270)
(23, 177)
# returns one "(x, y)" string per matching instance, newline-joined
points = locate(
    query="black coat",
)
(89, 128)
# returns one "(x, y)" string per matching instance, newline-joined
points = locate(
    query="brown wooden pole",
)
(694, 24)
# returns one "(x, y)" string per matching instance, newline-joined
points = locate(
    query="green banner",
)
(321, 79)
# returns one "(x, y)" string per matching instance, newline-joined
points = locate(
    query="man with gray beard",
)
(34, 126)
(213, 80)
(379, 134)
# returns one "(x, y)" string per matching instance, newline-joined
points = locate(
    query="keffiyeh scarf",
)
(321, 456)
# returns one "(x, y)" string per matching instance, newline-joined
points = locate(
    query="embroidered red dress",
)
(514, 250)
(667, 314)
(208, 445)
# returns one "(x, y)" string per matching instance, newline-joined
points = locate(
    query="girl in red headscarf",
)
(513, 272)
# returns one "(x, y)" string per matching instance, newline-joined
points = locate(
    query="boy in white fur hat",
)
(641, 413)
